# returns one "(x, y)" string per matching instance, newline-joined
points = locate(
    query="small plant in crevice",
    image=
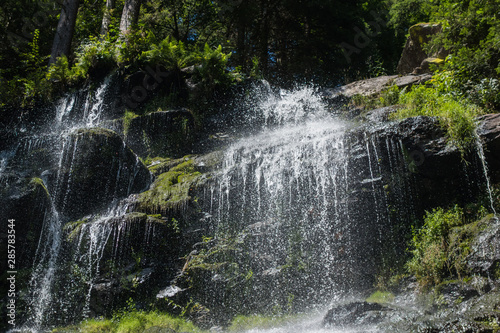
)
(127, 120)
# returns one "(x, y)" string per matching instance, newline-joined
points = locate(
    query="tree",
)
(106, 19)
(65, 30)
(130, 16)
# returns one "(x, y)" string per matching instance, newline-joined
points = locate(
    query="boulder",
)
(96, 169)
(356, 313)
(414, 58)
(370, 87)
(485, 250)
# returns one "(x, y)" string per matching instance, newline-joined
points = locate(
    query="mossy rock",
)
(97, 168)
(172, 190)
(414, 54)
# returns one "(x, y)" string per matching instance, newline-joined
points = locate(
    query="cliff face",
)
(244, 225)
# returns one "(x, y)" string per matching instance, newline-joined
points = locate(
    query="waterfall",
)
(81, 109)
(315, 205)
(480, 152)
(299, 192)
(46, 302)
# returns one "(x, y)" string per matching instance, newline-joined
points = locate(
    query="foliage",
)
(170, 53)
(213, 64)
(430, 244)
(472, 35)
(132, 321)
(95, 54)
(440, 247)
(405, 13)
(457, 116)
(380, 297)
(387, 97)
(242, 323)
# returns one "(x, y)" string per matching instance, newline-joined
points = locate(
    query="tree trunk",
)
(106, 19)
(130, 15)
(264, 38)
(65, 30)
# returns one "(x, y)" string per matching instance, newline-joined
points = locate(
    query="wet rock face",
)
(27, 202)
(437, 172)
(97, 168)
(141, 254)
(164, 133)
(489, 130)
(485, 253)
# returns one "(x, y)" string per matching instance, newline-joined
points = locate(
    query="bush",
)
(430, 245)
(169, 53)
(457, 116)
(95, 54)
(132, 321)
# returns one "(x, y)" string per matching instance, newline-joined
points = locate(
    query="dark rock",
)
(434, 167)
(379, 115)
(97, 168)
(27, 202)
(163, 133)
(413, 53)
(456, 292)
(140, 255)
(485, 253)
(489, 131)
(356, 313)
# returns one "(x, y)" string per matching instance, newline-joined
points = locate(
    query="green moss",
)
(245, 323)
(159, 165)
(73, 229)
(381, 297)
(36, 182)
(96, 131)
(171, 189)
(127, 119)
(131, 322)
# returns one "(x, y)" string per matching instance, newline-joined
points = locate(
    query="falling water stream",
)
(49, 301)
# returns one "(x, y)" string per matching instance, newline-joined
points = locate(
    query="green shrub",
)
(131, 321)
(96, 53)
(212, 69)
(244, 323)
(169, 53)
(430, 245)
(456, 115)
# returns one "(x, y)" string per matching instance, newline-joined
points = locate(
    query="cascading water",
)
(298, 193)
(480, 152)
(314, 204)
(51, 301)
